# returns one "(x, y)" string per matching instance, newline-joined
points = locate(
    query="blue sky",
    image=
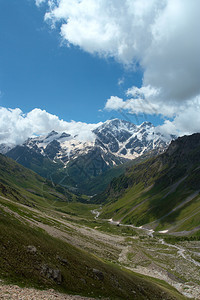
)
(36, 70)
(149, 48)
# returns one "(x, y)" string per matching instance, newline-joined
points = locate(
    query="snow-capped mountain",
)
(61, 146)
(4, 148)
(120, 138)
(128, 140)
(70, 159)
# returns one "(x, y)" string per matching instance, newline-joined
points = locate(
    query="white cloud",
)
(140, 105)
(120, 81)
(185, 117)
(16, 127)
(39, 2)
(107, 27)
(162, 36)
(186, 121)
(114, 103)
(144, 92)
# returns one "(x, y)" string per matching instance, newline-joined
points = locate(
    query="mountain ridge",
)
(114, 135)
(161, 193)
(63, 155)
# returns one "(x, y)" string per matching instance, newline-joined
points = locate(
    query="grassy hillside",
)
(43, 166)
(27, 187)
(30, 257)
(96, 185)
(35, 248)
(162, 192)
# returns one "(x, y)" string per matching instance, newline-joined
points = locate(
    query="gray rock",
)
(32, 249)
(83, 280)
(98, 274)
(62, 260)
(54, 274)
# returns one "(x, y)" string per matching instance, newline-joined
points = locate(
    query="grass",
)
(173, 239)
(180, 161)
(153, 205)
(19, 266)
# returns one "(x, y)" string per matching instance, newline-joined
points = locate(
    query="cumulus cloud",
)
(16, 127)
(184, 117)
(161, 36)
(108, 27)
(114, 103)
(186, 121)
(139, 103)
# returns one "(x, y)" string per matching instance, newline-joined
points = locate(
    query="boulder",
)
(54, 274)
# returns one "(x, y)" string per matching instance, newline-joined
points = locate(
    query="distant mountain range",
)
(72, 161)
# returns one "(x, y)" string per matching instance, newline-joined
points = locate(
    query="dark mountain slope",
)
(162, 192)
(75, 174)
(27, 187)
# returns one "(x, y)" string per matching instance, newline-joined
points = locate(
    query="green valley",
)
(139, 239)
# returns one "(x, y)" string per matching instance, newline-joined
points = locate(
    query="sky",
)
(72, 64)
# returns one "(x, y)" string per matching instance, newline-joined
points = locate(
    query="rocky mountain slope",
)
(128, 140)
(161, 193)
(72, 161)
(4, 148)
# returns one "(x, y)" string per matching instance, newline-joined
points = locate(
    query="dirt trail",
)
(132, 209)
(82, 237)
(184, 232)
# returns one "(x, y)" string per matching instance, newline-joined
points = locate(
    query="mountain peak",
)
(117, 124)
(184, 144)
(146, 123)
(64, 135)
(52, 133)
(117, 137)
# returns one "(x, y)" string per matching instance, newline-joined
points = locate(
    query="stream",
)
(181, 251)
(96, 213)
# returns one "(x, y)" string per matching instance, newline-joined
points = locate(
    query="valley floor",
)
(135, 249)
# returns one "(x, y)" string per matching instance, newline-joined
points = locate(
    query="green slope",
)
(27, 187)
(96, 185)
(162, 192)
(43, 166)
(31, 257)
